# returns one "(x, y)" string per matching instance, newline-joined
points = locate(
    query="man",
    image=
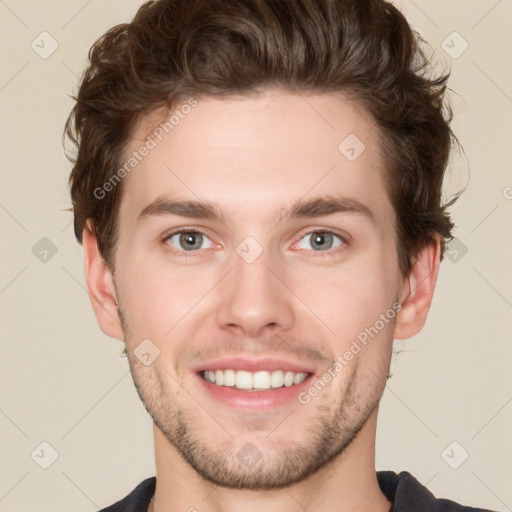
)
(258, 192)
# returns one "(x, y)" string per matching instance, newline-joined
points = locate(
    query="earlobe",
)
(417, 292)
(100, 284)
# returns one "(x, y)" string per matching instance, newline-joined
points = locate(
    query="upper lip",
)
(253, 365)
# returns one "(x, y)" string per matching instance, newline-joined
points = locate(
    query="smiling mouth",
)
(253, 381)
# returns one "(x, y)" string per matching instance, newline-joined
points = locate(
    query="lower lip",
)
(255, 400)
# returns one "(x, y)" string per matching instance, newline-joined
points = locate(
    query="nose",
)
(254, 299)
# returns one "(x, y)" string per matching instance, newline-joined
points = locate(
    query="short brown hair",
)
(177, 49)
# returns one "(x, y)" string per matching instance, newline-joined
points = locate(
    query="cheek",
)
(155, 298)
(348, 299)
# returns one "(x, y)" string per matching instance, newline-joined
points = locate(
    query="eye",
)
(322, 240)
(186, 240)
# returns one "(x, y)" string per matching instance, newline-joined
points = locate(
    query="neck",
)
(348, 482)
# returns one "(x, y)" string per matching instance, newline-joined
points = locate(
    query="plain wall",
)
(62, 381)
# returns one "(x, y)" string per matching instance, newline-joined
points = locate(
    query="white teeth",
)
(288, 379)
(277, 379)
(229, 377)
(263, 380)
(298, 378)
(243, 380)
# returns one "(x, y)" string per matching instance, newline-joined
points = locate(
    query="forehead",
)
(252, 154)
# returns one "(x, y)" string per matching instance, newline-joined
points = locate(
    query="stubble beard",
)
(280, 465)
(326, 436)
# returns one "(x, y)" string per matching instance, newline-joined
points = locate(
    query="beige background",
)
(62, 380)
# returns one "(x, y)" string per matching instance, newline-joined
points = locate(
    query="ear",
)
(417, 292)
(100, 284)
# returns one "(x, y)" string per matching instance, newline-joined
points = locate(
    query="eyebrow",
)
(316, 207)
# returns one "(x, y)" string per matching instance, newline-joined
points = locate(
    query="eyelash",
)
(193, 254)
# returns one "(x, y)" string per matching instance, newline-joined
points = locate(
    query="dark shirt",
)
(403, 490)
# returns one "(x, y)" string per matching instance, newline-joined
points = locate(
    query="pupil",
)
(188, 240)
(319, 239)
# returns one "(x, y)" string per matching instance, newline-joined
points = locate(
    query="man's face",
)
(267, 291)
